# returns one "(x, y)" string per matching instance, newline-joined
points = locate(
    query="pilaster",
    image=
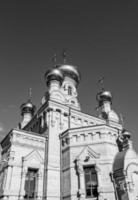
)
(8, 180)
(53, 165)
(23, 176)
(80, 171)
(40, 185)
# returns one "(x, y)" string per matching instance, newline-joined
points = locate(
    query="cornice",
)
(28, 134)
(97, 127)
(22, 138)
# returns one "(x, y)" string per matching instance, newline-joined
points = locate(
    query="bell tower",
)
(62, 82)
(70, 84)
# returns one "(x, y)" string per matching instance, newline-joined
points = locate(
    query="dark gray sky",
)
(101, 38)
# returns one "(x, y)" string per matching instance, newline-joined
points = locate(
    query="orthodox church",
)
(58, 152)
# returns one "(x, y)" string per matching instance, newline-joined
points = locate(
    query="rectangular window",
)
(91, 183)
(31, 184)
(70, 90)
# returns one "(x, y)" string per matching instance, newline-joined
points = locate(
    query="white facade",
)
(62, 153)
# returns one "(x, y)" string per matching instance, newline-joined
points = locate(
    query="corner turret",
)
(27, 112)
(104, 99)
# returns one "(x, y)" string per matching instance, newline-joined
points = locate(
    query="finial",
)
(101, 83)
(64, 55)
(54, 59)
(30, 94)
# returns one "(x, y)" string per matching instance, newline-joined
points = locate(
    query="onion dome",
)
(126, 134)
(70, 71)
(104, 96)
(112, 116)
(28, 107)
(53, 74)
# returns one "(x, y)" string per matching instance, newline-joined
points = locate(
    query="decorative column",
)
(8, 180)
(61, 120)
(52, 117)
(23, 176)
(52, 156)
(100, 197)
(40, 185)
(81, 191)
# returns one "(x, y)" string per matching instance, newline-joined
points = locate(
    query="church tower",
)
(62, 84)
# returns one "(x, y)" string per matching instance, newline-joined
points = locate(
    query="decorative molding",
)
(27, 140)
(34, 156)
(87, 153)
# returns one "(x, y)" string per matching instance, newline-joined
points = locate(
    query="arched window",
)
(91, 183)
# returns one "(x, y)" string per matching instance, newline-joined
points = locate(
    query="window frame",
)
(70, 90)
(92, 195)
(35, 172)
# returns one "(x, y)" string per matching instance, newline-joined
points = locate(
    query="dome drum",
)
(112, 116)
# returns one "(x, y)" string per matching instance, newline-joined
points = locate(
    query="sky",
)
(101, 38)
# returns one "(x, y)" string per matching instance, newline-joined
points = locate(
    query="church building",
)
(58, 152)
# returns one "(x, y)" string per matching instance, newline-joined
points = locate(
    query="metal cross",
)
(101, 83)
(64, 55)
(30, 93)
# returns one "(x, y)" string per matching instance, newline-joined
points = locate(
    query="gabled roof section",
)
(34, 156)
(88, 152)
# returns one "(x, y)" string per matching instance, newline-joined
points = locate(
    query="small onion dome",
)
(53, 74)
(126, 134)
(104, 96)
(70, 71)
(28, 107)
(112, 116)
